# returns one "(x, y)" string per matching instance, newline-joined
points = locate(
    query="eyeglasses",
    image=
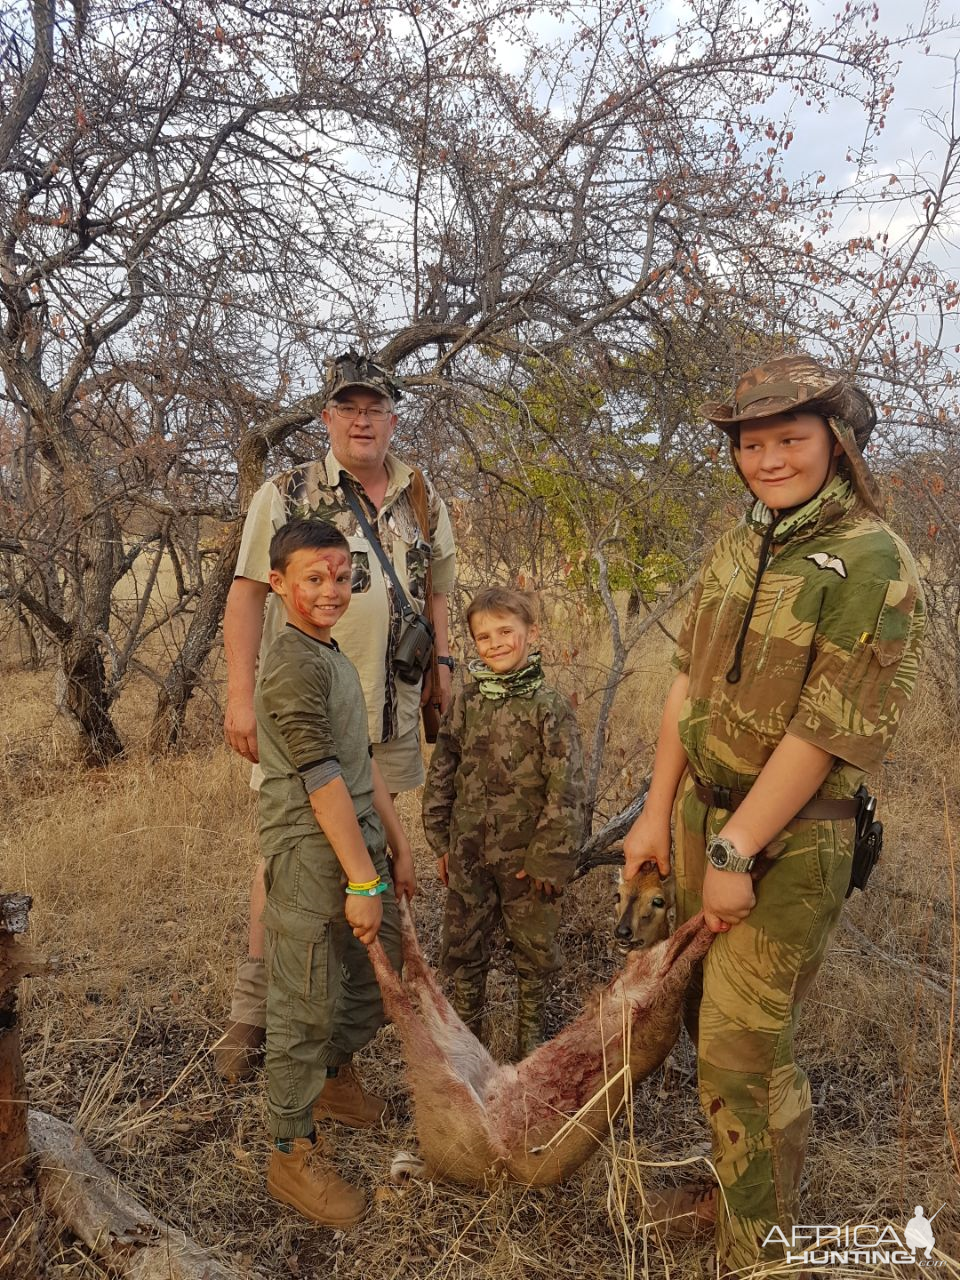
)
(350, 413)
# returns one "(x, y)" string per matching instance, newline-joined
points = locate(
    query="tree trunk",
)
(84, 697)
(181, 680)
(29, 636)
(86, 1197)
(614, 676)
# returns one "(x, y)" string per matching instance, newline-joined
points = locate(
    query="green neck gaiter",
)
(520, 683)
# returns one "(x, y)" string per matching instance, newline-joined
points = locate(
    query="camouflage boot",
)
(531, 996)
(469, 996)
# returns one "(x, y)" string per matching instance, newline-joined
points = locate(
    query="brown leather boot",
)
(683, 1212)
(345, 1099)
(304, 1179)
(239, 1051)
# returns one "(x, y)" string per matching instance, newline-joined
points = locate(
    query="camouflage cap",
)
(354, 370)
(798, 383)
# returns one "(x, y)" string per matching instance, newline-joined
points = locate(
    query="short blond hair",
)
(503, 600)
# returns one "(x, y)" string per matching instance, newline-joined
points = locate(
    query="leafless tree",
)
(200, 201)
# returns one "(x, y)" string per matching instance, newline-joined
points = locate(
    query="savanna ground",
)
(139, 877)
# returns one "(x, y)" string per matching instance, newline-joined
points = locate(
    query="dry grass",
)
(140, 876)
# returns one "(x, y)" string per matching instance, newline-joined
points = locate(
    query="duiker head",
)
(642, 906)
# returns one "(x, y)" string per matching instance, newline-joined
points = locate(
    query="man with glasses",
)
(360, 420)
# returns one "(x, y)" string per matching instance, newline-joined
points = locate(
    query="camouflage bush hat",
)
(795, 384)
(354, 370)
(792, 383)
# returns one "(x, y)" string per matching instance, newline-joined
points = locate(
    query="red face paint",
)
(315, 588)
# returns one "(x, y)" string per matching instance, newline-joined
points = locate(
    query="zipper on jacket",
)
(766, 635)
(723, 601)
(733, 675)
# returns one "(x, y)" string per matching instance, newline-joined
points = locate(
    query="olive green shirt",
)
(311, 724)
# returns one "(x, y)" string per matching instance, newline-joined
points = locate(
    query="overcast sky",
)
(924, 87)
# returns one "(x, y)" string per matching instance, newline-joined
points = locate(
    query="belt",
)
(825, 810)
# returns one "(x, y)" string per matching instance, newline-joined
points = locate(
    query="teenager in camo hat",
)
(799, 383)
(798, 654)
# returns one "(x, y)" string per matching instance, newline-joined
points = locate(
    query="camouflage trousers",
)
(742, 1012)
(483, 890)
(323, 1001)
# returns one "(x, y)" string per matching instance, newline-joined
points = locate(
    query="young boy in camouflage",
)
(503, 811)
(796, 659)
(325, 819)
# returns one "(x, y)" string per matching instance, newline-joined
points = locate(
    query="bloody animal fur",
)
(538, 1121)
(643, 903)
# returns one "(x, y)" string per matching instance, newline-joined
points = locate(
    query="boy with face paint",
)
(325, 818)
(797, 656)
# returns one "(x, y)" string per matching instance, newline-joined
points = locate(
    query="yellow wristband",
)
(367, 884)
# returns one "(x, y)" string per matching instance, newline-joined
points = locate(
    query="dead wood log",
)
(87, 1198)
(16, 961)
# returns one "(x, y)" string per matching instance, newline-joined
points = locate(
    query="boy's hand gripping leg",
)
(364, 916)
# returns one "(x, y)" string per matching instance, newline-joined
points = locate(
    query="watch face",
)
(719, 856)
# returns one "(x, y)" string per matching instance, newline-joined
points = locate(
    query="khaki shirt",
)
(832, 648)
(369, 630)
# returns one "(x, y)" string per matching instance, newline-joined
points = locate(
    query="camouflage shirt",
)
(509, 770)
(369, 630)
(831, 652)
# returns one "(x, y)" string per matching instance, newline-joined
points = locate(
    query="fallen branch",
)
(16, 961)
(87, 1198)
(597, 851)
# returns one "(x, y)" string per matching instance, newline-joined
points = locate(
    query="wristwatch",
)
(723, 854)
(447, 661)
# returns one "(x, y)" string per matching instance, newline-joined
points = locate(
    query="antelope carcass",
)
(539, 1120)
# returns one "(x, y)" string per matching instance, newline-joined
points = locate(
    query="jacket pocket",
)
(718, 616)
(894, 623)
(768, 631)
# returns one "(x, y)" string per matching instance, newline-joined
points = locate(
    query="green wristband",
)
(368, 893)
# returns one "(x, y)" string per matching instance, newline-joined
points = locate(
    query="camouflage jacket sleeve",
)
(440, 788)
(864, 669)
(551, 854)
